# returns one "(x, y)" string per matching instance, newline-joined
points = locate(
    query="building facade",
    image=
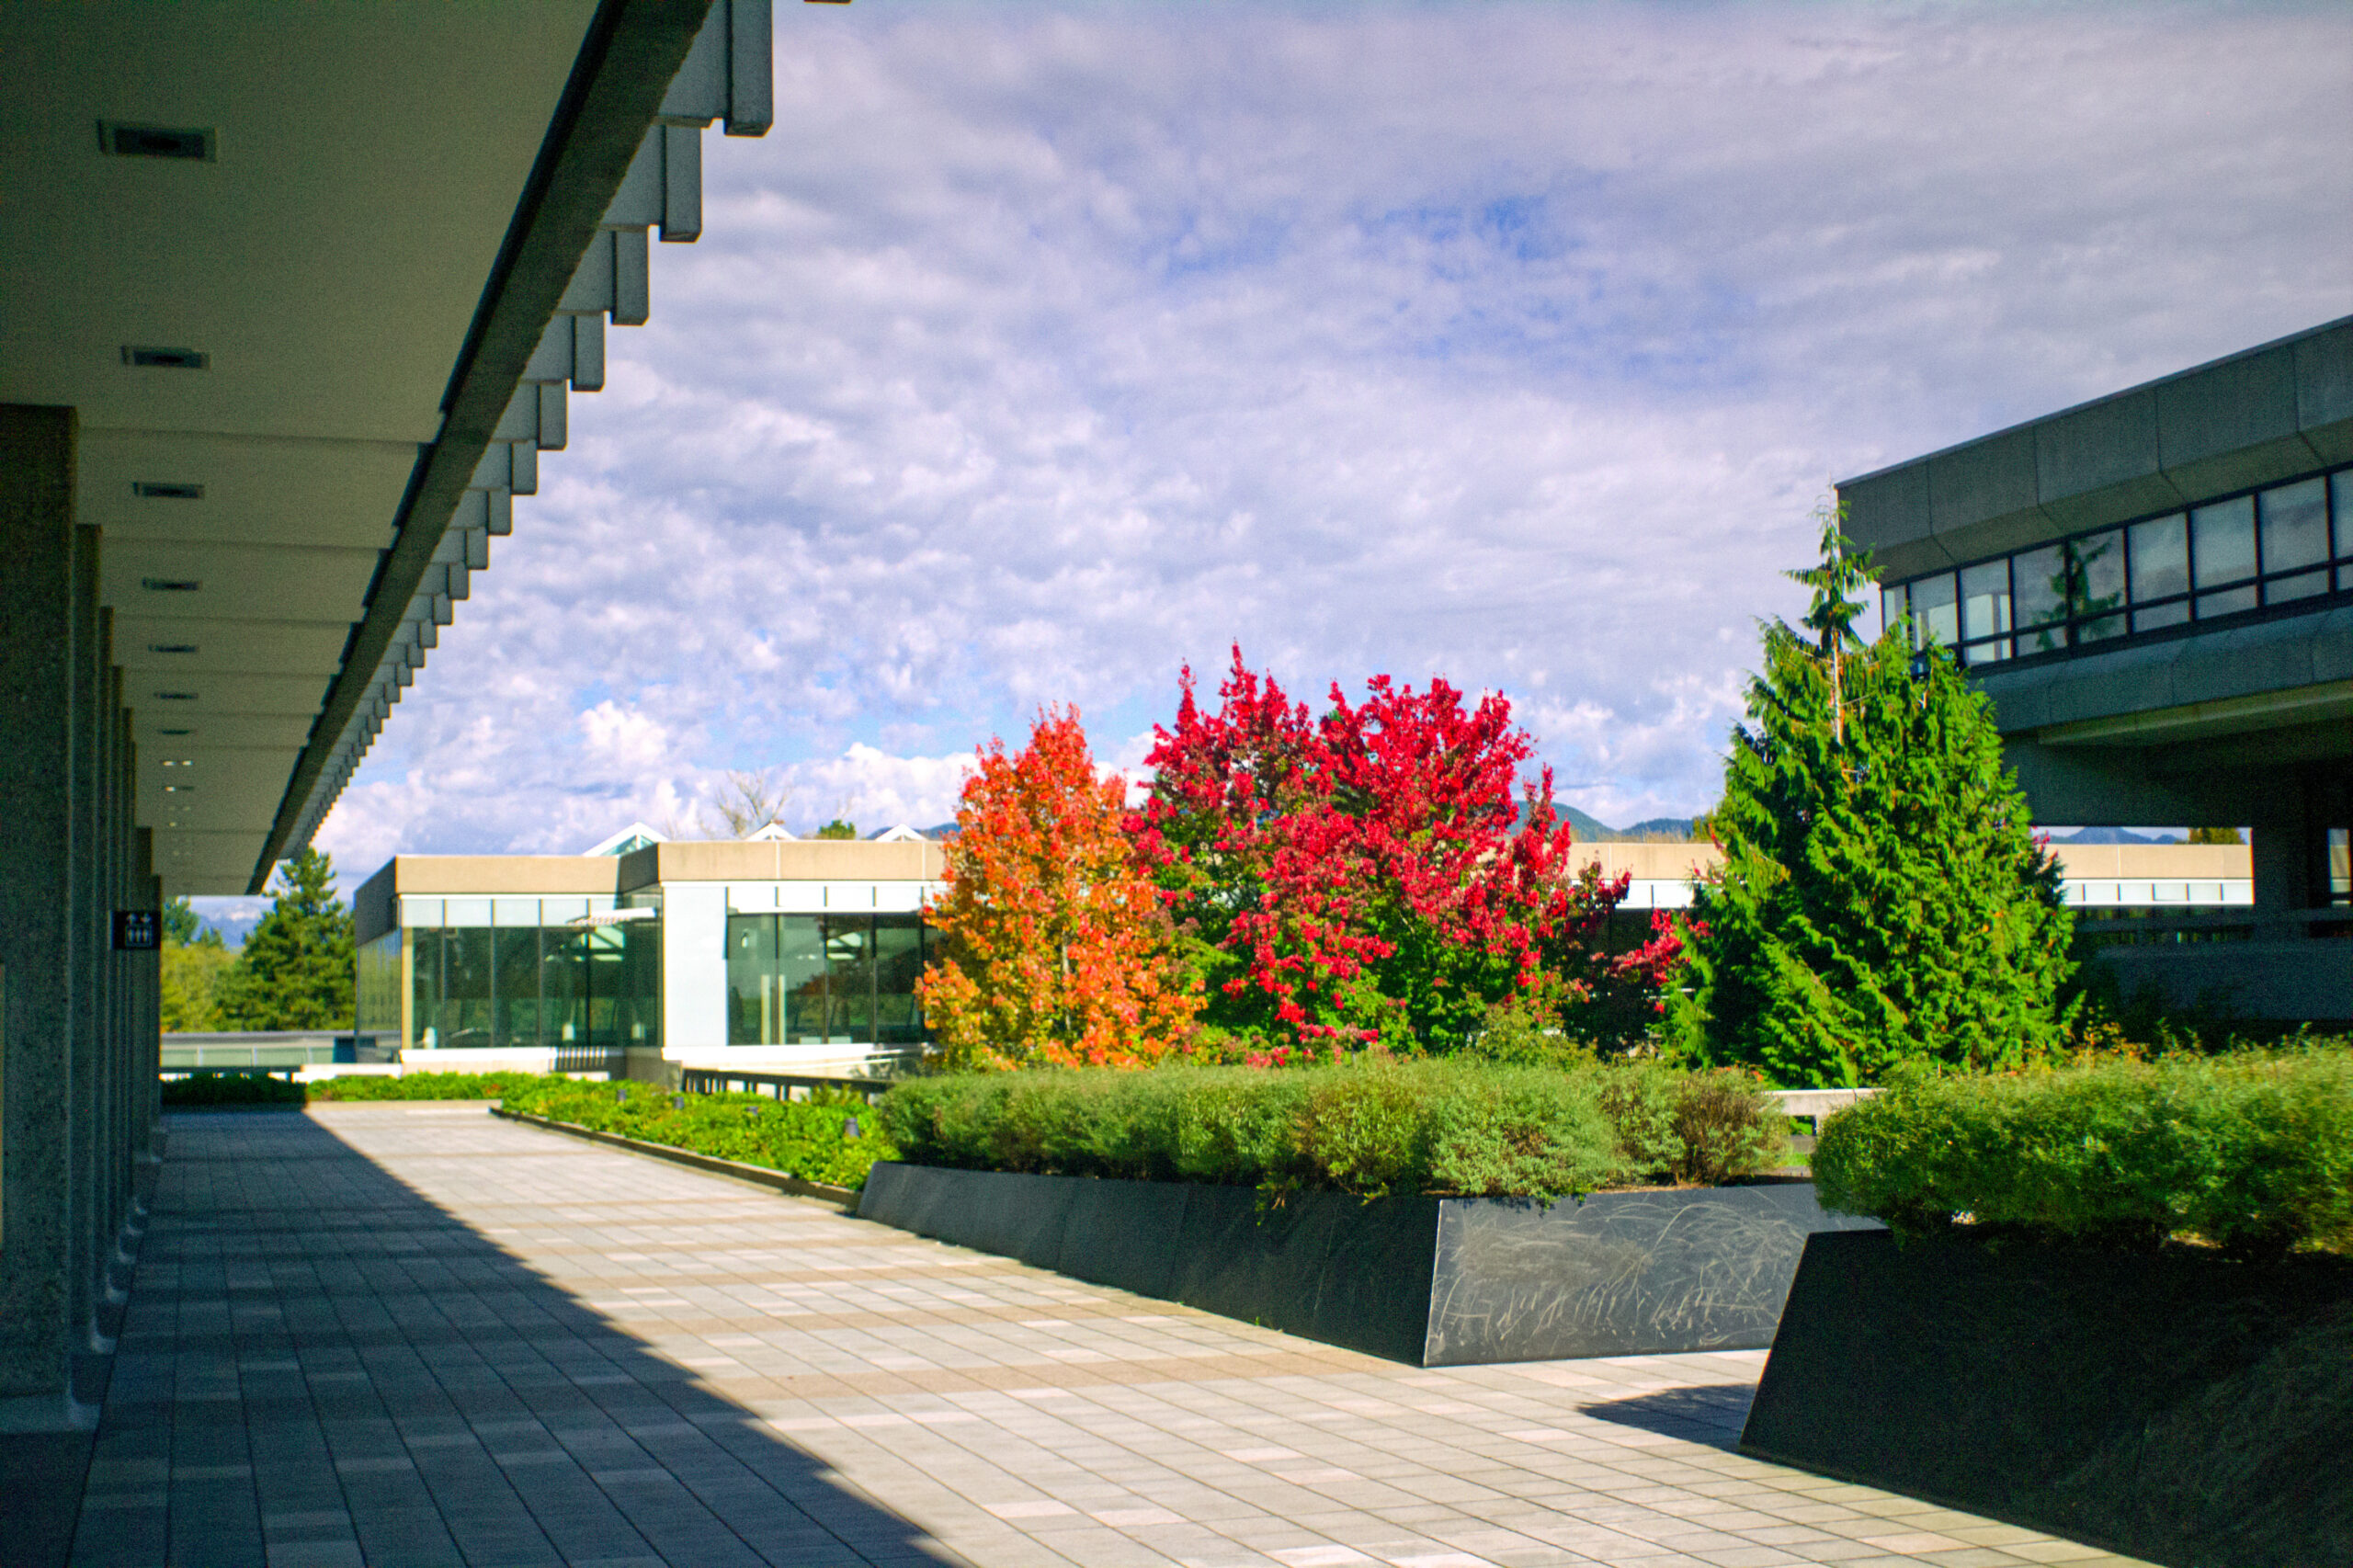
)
(776, 955)
(2155, 589)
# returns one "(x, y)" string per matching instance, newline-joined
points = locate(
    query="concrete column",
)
(2281, 856)
(40, 1136)
(88, 943)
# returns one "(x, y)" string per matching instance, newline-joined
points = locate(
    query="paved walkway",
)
(420, 1335)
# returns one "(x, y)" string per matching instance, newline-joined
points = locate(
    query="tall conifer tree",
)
(1882, 897)
(298, 969)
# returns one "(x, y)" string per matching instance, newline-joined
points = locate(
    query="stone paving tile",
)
(416, 1335)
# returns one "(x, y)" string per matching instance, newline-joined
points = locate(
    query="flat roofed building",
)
(777, 955)
(2156, 590)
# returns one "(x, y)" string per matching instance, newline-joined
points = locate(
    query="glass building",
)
(776, 955)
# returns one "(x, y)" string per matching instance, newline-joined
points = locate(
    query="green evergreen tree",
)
(298, 967)
(1883, 898)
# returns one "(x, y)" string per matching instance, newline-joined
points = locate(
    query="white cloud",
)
(1039, 351)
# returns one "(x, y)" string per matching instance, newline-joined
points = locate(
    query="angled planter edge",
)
(1429, 1281)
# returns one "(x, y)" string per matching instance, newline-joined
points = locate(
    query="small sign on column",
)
(137, 930)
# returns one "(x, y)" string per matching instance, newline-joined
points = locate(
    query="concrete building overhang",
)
(2249, 419)
(316, 281)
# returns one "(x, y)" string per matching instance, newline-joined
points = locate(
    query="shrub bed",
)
(1466, 1129)
(813, 1141)
(2251, 1152)
(426, 1087)
(229, 1088)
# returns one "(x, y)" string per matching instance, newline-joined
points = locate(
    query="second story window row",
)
(2224, 558)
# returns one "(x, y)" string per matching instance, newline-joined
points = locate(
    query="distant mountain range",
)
(2116, 835)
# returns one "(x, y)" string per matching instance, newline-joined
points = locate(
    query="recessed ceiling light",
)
(155, 141)
(175, 697)
(165, 358)
(171, 647)
(176, 732)
(153, 491)
(179, 789)
(170, 584)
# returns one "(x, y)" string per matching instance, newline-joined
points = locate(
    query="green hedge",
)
(812, 1140)
(425, 1087)
(229, 1088)
(2251, 1152)
(1464, 1128)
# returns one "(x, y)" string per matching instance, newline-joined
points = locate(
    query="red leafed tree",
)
(1369, 875)
(1056, 947)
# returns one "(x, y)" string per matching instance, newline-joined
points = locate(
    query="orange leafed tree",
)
(1056, 947)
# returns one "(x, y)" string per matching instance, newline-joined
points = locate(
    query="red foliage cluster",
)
(1369, 874)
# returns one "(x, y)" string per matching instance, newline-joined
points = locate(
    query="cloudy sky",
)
(1040, 349)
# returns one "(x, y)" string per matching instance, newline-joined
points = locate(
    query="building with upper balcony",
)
(2155, 589)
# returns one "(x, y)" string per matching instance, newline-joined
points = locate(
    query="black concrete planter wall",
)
(2177, 1408)
(1432, 1281)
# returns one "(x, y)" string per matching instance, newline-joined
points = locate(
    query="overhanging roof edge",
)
(2132, 391)
(628, 58)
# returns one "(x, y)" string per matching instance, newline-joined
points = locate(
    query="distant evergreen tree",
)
(2215, 835)
(838, 828)
(181, 922)
(1882, 897)
(298, 967)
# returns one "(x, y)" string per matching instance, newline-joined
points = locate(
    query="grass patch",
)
(425, 1087)
(812, 1140)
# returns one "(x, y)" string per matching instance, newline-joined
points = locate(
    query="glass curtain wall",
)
(379, 1007)
(531, 973)
(823, 978)
(2224, 558)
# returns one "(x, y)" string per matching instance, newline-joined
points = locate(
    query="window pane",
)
(1939, 615)
(564, 985)
(2295, 526)
(849, 957)
(2340, 865)
(1891, 606)
(2228, 602)
(2340, 493)
(1985, 599)
(462, 1019)
(517, 984)
(2302, 586)
(2223, 543)
(425, 987)
(800, 974)
(2100, 584)
(2160, 559)
(898, 964)
(755, 1004)
(2039, 579)
(637, 1016)
(2172, 614)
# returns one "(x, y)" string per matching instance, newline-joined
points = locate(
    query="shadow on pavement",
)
(320, 1367)
(1712, 1414)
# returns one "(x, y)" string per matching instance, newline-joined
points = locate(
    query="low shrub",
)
(1464, 1127)
(229, 1089)
(2251, 1152)
(835, 1143)
(425, 1086)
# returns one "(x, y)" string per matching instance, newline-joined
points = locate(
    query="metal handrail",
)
(721, 1080)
